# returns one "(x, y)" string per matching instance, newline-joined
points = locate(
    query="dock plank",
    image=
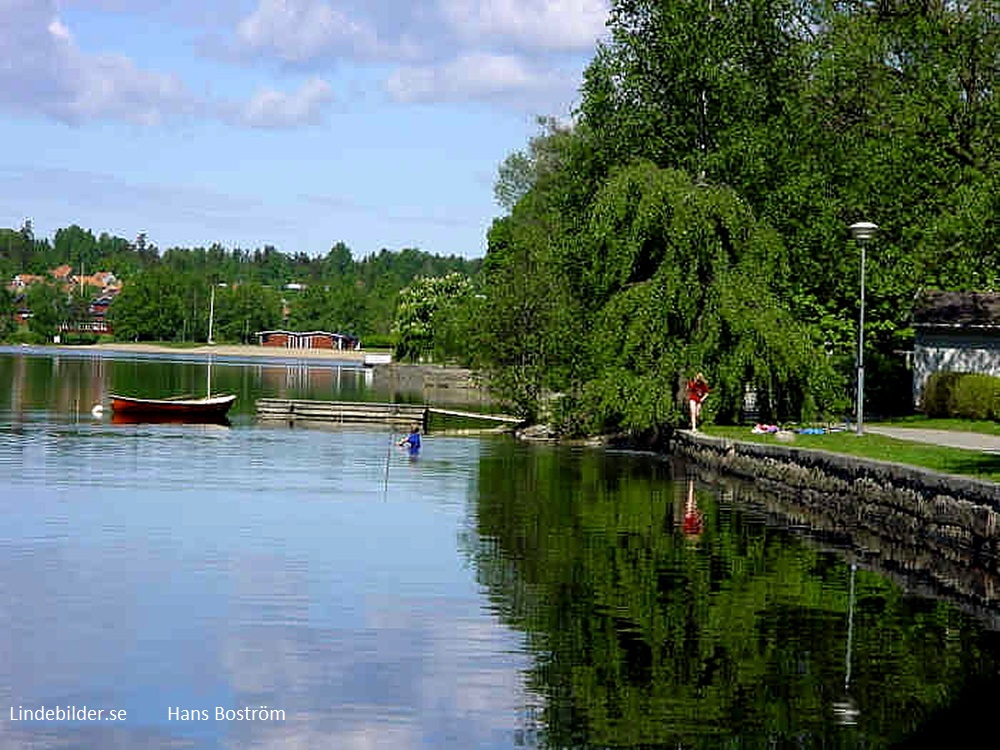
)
(365, 412)
(341, 411)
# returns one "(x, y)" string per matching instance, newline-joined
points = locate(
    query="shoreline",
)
(944, 528)
(205, 351)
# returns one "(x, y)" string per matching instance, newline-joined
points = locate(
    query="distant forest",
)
(166, 294)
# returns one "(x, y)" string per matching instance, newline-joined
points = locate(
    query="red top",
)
(697, 390)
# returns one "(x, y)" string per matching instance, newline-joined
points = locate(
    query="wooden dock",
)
(361, 412)
(342, 412)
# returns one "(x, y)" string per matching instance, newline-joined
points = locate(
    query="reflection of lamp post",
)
(862, 231)
(846, 711)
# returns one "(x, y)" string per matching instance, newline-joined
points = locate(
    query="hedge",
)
(965, 395)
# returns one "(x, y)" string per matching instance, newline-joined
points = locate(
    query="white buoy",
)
(97, 411)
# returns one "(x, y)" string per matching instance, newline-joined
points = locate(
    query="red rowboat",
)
(172, 409)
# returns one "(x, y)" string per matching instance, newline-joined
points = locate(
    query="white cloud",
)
(538, 24)
(301, 30)
(45, 71)
(58, 30)
(450, 50)
(478, 76)
(112, 86)
(507, 52)
(270, 108)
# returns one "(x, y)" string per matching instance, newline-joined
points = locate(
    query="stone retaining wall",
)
(915, 521)
(434, 384)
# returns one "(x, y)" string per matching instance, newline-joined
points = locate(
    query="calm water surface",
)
(485, 594)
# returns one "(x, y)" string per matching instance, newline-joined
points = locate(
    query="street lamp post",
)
(211, 315)
(862, 231)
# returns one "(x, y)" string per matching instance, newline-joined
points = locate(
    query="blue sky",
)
(294, 123)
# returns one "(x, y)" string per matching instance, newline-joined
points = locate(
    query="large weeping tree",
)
(613, 306)
(690, 281)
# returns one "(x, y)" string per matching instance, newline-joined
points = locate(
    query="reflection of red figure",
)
(693, 523)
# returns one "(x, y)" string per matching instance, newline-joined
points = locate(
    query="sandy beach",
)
(230, 350)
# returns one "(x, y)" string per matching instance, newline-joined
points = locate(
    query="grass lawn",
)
(947, 460)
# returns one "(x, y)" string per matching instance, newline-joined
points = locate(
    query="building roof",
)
(957, 310)
(308, 333)
(100, 279)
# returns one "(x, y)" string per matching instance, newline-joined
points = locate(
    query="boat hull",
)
(127, 408)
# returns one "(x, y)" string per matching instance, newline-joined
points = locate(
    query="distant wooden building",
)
(955, 332)
(309, 340)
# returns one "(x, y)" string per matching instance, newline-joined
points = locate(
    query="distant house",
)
(955, 332)
(96, 318)
(22, 312)
(24, 280)
(308, 340)
(101, 280)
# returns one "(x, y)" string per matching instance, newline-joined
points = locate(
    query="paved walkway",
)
(949, 438)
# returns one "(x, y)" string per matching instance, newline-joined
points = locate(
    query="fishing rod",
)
(388, 458)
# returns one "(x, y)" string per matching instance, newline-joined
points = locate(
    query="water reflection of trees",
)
(937, 566)
(69, 386)
(643, 637)
(66, 385)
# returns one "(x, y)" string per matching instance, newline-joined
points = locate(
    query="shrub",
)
(964, 395)
(24, 335)
(80, 338)
(378, 341)
(937, 393)
(976, 397)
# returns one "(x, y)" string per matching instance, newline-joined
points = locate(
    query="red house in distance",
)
(309, 340)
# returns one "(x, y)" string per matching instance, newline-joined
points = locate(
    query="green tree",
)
(529, 328)
(7, 311)
(243, 310)
(521, 325)
(152, 307)
(521, 171)
(691, 84)
(424, 308)
(309, 309)
(685, 276)
(116, 256)
(15, 253)
(49, 307)
(812, 114)
(77, 247)
(338, 262)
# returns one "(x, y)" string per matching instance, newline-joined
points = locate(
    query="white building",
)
(955, 332)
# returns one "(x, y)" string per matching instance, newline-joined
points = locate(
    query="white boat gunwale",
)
(204, 401)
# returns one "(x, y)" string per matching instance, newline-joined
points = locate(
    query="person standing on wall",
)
(697, 392)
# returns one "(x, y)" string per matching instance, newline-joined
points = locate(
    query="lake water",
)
(484, 594)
